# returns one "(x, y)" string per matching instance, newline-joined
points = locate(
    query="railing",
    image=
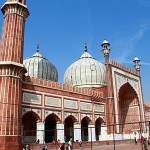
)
(93, 139)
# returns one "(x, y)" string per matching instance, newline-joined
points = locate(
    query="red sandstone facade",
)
(11, 72)
(28, 104)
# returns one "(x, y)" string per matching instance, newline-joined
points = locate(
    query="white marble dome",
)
(86, 72)
(39, 67)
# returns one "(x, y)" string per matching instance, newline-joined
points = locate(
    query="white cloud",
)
(126, 45)
(145, 63)
(142, 63)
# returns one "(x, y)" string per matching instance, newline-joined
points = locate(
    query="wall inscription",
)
(31, 98)
(99, 108)
(53, 101)
(85, 106)
(70, 104)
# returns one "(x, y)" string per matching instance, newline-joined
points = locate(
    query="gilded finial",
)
(85, 47)
(37, 47)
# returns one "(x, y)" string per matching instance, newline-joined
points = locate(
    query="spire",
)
(37, 47)
(85, 47)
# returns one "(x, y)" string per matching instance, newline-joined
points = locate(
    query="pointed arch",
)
(84, 128)
(87, 117)
(50, 127)
(29, 121)
(72, 117)
(99, 121)
(53, 115)
(128, 104)
(69, 127)
(37, 117)
(128, 89)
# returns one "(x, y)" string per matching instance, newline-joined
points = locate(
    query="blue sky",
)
(63, 26)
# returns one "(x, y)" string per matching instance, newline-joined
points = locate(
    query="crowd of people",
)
(68, 145)
(64, 146)
(144, 141)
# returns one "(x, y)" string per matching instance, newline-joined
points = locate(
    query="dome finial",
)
(85, 47)
(37, 47)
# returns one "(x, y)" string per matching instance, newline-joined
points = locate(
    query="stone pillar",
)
(77, 132)
(103, 135)
(91, 132)
(40, 133)
(60, 132)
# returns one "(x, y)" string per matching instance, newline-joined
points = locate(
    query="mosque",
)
(95, 101)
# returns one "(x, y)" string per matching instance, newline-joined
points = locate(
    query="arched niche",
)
(69, 127)
(128, 109)
(50, 128)
(29, 121)
(99, 121)
(84, 128)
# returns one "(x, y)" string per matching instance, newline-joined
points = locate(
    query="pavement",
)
(131, 146)
(117, 146)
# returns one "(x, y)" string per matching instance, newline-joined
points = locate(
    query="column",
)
(103, 135)
(77, 132)
(60, 132)
(40, 133)
(91, 132)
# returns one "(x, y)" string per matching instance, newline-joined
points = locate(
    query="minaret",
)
(106, 50)
(11, 72)
(110, 109)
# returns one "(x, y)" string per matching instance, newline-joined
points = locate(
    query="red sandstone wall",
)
(47, 86)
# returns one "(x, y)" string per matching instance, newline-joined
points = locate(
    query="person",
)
(145, 144)
(43, 147)
(58, 141)
(142, 139)
(46, 147)
(38, 141)
(54, 142)
(148, 140)
(80, 145)
(26, 148)
(70, 144)
(135, 140)
(62, 147)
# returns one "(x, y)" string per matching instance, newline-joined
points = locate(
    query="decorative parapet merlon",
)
(117, 65)
(97, 95)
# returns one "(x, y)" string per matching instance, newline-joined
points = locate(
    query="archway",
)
(98, 123)
(68, 128)
(84, 129)
(29, 126)
(50, 128)
(128, 109)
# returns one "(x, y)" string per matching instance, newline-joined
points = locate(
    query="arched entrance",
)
(84, 129)
(50, 129)
(128, 109)
(98, 123)
(68, 128)
(29, 127)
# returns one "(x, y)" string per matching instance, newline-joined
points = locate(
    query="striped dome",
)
(39, 67)
(86, 72)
